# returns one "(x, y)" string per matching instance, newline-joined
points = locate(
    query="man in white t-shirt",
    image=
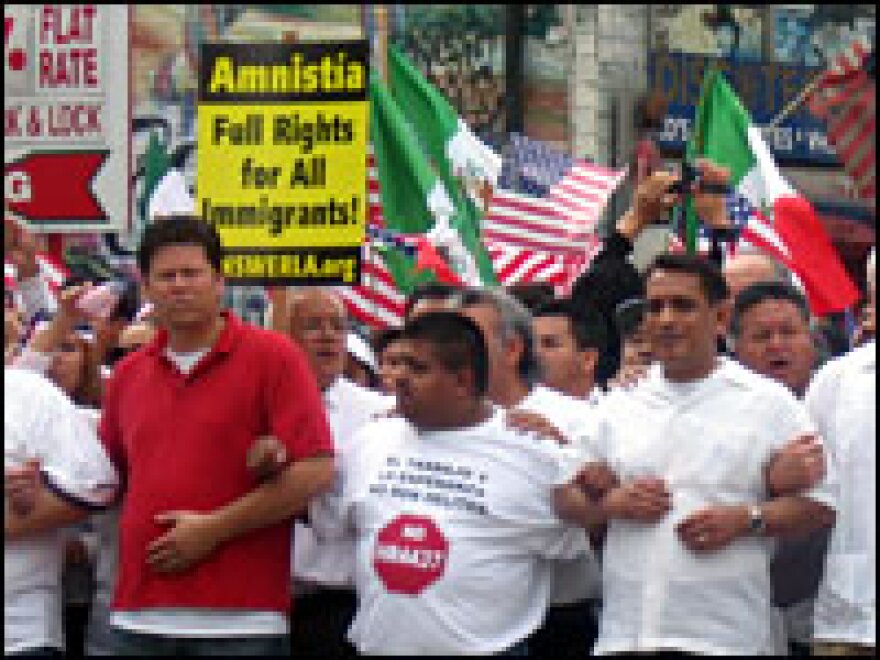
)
(42, 426)
(843, 401)
(455, 513)
(324, 569)
(514, 374)
(691, 523)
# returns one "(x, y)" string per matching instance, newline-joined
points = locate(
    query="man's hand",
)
(651, 202)
(20, 487)
(267, 458)
(190, 540)
(597, 479)
(629, 376)
(521, 420)
(713, 528)
(797, 467)
(645, 500)
(711, 207)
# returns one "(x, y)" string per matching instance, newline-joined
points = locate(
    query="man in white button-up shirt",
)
(687, 553)
(843, 400)
(324, 569)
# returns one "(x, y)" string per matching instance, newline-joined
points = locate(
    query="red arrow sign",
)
(54, 186)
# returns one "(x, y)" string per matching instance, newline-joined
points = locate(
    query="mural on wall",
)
(461, 50)
(714, 30)
(811, 34)
(547, 60)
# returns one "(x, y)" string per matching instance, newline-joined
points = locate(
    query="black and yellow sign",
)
(282, 134)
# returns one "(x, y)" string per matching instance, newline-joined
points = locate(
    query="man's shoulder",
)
(767, 392)
(829, 376)
(269, 348)
(29, 384)
(554, 404)
(352, 394)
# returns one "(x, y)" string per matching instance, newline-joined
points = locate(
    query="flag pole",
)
(795, 103)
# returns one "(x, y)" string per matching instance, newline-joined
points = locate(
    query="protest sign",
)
(282, 134)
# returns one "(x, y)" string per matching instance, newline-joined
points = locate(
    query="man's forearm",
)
(48, 512)
(794, 516)
(574, 506)
(275, 500)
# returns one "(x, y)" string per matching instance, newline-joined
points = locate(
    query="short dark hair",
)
(429, 291)
(458, 343)
(384, 338)
(533, 296)
(179, 230)
(757, 293)
(587, 325)
(710, 276)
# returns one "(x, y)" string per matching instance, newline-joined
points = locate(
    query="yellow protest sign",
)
(282, 134)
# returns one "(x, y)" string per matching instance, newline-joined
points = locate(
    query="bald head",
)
(318, 324)
(743, 270)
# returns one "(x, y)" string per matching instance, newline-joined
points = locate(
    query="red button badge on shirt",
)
(410, 554)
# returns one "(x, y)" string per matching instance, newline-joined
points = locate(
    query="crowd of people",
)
(666, 461)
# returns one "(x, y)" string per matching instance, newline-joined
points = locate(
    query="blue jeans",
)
(133, 643)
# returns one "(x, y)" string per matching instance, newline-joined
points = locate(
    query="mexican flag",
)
(413, 196)
(414, 199)
(784, 223)
(467, 167)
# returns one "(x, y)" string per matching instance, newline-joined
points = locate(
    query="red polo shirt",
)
(180, 441)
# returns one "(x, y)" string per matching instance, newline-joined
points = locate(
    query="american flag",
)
(845, 99)
(550, 204)
(751, 227)
(378, 302)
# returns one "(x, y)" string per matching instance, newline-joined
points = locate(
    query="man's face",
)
(427, 392)
(563, 365)
(390, 366)
(183, 287)
(775, 341)
(637, 349)
(681, 325)
(317, 324)
(503, 357)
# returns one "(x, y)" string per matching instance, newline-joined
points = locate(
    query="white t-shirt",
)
(843, 401)
(40, 422)
(324, 561)
(709, 445)
(580, 578)
(452, 527)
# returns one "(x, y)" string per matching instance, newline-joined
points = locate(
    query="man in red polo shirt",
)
(204, 560)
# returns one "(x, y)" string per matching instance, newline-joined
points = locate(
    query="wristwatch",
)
(757, 524)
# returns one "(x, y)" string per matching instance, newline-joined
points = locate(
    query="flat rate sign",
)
(282, 159)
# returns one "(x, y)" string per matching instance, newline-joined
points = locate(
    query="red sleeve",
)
(296, 410)
(108, 428)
